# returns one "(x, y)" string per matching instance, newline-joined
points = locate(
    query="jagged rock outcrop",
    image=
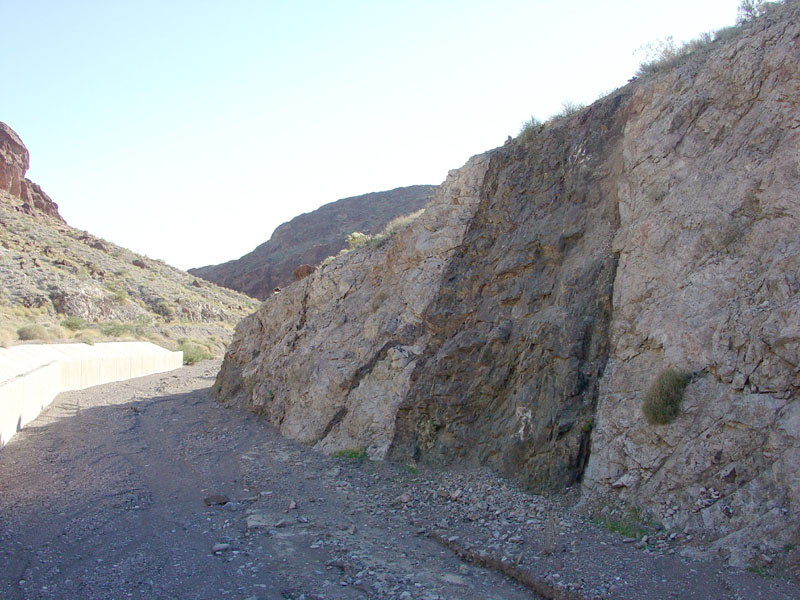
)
(14, 163)
(312, 237)
(521, 320)
(328, 359)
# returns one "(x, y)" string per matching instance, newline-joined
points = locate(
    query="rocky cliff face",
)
(14, 163)
(707, 282)
(520, 322)
(312, 237)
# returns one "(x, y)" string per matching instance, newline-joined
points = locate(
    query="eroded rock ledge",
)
(521, 320)
(14, 163)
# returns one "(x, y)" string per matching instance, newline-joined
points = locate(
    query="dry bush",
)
(7, 338)
(33, 331)
(662, 401)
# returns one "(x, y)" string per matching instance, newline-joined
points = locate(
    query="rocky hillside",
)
(59, 282)
(523, 321)
(312, 237)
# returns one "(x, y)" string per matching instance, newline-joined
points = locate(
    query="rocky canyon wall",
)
(521, 320)
(707, 282)
(14, 163)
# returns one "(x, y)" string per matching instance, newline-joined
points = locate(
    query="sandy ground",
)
(149, 489)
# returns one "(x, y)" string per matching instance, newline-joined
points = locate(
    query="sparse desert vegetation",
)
(663, 400)
(194, 352)
(63, 284)
(357, 239)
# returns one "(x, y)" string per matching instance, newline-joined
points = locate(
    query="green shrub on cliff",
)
(399, 223)
(662, 401)
(666, 55)
(357, 239)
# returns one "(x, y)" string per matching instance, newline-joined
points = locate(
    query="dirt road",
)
(149, 489)
(111, 494)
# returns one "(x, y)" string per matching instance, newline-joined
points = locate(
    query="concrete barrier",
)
(32, 375)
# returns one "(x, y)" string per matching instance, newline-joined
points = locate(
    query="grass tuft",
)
(662, 401)
(358, 454)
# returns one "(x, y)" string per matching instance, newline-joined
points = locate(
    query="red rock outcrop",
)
(14, 163)
(303, 271)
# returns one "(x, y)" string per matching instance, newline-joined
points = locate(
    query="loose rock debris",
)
(184, 498)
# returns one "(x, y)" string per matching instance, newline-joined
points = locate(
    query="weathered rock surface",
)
(708, 281)
(14, 163)
(330, 361)
(312, 237)
(519, 322)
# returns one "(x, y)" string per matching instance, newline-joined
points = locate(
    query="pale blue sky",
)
(188, 130)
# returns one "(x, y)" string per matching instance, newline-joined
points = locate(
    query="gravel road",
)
(149, 489)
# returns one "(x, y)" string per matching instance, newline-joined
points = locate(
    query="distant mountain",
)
(312, 237)
(61, 283)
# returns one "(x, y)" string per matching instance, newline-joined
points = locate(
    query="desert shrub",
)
(400, 223)
(351, 454)
(55, 332)
(116, 329)
(569, 108)
(752, 9)
(7, 338)
(662, 401)
(88, 336)
(193, 352)
(665, 54)
(74, 323)
(120, 295)
(726, 33)
(357, 239)
(529, 129)
(32, 332)
(327, 260)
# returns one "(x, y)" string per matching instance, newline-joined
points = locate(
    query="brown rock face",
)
(522, 319)
(302, 272)
(14, 163)
(312, 237)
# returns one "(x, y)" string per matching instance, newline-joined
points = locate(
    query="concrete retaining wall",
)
(32, 375)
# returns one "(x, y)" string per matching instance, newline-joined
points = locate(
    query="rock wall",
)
(14, 163)
(707, 282)
(520, 322)
(329, 359)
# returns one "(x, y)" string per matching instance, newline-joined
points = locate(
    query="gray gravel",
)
(104, 496)
(148, 489)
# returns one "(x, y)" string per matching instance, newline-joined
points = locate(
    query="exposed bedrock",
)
(14, 163)
(521, 320)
